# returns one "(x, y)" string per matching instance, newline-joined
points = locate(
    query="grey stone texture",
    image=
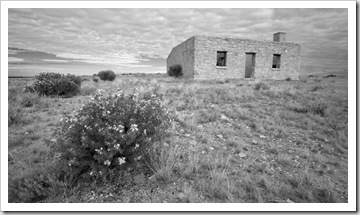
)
(198, 56)
(183, 54)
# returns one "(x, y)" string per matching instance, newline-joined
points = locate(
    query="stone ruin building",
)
(205, 57)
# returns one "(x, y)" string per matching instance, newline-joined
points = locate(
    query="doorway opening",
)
(250, 65)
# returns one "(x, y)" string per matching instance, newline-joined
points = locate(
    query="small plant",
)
(218, 185)
(16, 116)
(261, 85)
(95, 79)
(318, 108)
(288, 79)
(107, 75)
(34, 186)
(316, 88)
(162, 158)
(55, 84)
(330, 76)
(298, 108)
(108, 132)
(175, 71)
(29, 100)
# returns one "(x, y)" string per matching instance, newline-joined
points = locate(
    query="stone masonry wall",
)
(183, 54)
(206, 53)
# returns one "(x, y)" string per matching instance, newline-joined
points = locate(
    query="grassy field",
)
(234, 141)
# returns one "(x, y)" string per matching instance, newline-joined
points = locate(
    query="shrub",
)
(33, 186)
(316, 88)
(107, 75)
(261, 85)
(95, 79)
(108, 132)
(175, 71)
(16, 116)
(55, 84)
(329, 76)
(288, 79)
(318, 108)
(29, 100)
(29, 89)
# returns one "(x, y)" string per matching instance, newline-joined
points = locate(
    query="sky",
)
(85, 41)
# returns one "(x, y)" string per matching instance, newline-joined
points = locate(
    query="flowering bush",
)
(108, 132)
(55, 84)
(107, 75)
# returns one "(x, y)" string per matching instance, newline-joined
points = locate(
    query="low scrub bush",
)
(107, 75)
(288, 79)
(316, 88)
(33, 186)
(55, 84)
(318, 108)
(29, 100)
(298, 108)
(95, 79)
(16, 116)
(330, 76)
(261, 85)
(109, 132)
(175, 71)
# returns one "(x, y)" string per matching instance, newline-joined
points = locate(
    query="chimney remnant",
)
(280, 37)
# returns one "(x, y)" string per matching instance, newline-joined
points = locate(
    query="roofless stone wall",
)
(203, 57)
(183, 54)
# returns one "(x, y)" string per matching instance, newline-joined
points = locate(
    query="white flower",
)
(134, 127)
(121, 160)
(145, 131)
(136, 146)
(91, 173)
(107, 163)
(98, 151)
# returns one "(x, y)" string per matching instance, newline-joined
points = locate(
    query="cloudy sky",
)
(85, 41)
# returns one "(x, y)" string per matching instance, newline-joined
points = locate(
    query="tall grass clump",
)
(55, 84)
(107, 75)
(175, 71)
(109, 132)
(162, 159)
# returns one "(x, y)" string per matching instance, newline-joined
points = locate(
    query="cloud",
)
(15, 59)
(55, 61)
(133, 37)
